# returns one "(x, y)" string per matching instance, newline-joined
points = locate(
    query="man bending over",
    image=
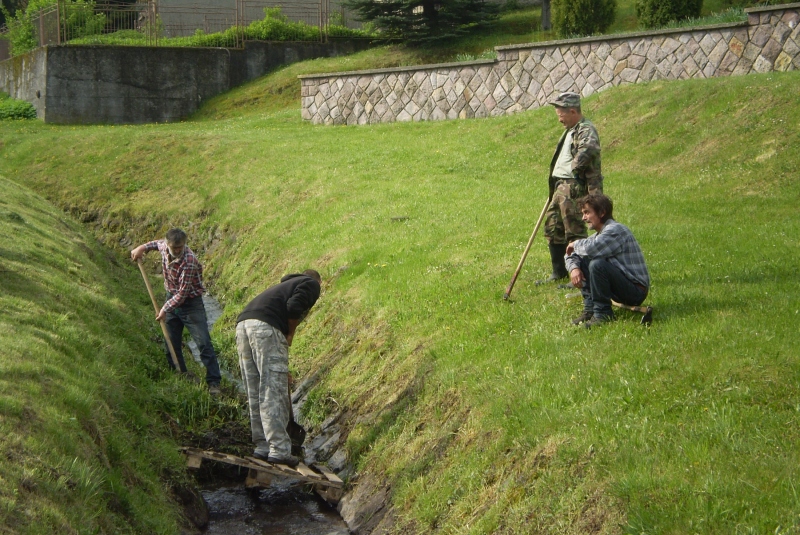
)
(264, 332)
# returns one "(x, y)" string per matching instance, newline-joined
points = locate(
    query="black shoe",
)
(584, 317)
(261, 456)
(288, 461)
(213, 390)
(596, 321)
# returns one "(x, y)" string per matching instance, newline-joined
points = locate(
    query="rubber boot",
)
(557, 252)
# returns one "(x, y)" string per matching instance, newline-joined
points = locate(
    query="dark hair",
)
(176, 236)
(314, 274)
(602, 205)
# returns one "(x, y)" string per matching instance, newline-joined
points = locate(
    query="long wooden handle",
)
(162, 322)
(525, 253)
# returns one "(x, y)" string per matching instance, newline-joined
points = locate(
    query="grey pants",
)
(264, 360)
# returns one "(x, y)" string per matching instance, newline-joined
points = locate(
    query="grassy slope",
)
(82, 445)
(492, 415)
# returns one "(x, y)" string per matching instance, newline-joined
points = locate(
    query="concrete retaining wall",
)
(114, 84)
(528, 76)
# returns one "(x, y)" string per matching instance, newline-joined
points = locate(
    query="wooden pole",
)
(525, 253)
(162, 322)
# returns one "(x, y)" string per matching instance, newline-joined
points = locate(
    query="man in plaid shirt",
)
(608, 265)
(183, 281)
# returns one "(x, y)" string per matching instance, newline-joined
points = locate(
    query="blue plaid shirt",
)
(615, 243)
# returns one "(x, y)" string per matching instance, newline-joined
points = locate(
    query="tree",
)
(424, 21)
(655, 13)
(572, 18)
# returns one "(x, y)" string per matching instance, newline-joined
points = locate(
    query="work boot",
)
(585, 316)
(557, 252)
(596, 321)
(290, 460)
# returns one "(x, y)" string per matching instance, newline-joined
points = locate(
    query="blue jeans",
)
(192, 315)
(603, 282)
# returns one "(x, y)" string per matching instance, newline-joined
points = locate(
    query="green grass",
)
(488, 416)
(484, 416)
(84, 393)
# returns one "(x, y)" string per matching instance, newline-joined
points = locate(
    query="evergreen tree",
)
(424, 21)
(655, 13)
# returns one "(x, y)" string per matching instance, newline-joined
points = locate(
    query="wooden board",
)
(326, 478)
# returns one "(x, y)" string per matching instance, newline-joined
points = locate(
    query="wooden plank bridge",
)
(260, 473)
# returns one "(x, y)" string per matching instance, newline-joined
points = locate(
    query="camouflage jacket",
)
(585, 151)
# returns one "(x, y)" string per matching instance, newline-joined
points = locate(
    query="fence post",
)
(58, 22)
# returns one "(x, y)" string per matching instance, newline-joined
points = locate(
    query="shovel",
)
(162, 322)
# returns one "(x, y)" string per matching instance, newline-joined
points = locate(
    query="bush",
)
(11, 108)
(575, 18)
(655, 13)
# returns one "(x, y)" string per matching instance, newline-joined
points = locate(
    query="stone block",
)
(716, 55)
(709, 70)
(482, 92)
(603, 50)
(529, 64)
(594, 80)
(751, 52)
(606, 74)
(692, 46)
(783, 62)
(762, 65)
(567, 83)
(743, 66)
(636, 61)
(681, 54)
(771, 50)
(701, 59)
(736, 46)
(524, 80)
(707, 44)
(548, 63)
(622, 65)
(569, 59)
(438, 115)
(404, 117)
(621, 51)
(761, 35)
(629, 76)
(791, 48)
(728, 63)
(640, 49)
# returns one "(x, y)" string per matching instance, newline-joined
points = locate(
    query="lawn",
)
(486, 416)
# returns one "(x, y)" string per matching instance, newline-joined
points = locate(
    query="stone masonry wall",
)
(528, 76)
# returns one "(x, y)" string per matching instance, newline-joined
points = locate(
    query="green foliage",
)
(425, 21)
(655, 13)
(577, 18)
(273, 27)
(11, 108)
(79, 20)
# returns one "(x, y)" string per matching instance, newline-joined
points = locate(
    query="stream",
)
(283, 508)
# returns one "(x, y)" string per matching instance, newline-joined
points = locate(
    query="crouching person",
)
(264, 332)
(607, 265)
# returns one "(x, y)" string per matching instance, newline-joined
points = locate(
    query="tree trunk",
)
(546, 15)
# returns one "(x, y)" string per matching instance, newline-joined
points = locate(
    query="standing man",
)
(574, 171)
(608, 265)
(183, 281)
(264, 332)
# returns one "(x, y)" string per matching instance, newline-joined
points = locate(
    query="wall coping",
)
(762, 9)
(622, 36)
(411, 68)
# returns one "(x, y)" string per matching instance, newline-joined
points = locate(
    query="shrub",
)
(574, 18)
(655, 13)
(11, 108)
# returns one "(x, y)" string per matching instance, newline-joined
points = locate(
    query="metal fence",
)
(165, 23)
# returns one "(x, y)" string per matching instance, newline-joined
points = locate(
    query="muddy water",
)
(277, 510)
(283, 508)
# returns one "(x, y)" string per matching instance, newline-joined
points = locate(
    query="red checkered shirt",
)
(183, 276)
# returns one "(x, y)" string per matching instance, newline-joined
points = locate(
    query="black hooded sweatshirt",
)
(291, 299)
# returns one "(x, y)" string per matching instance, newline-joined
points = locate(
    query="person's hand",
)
(289, 338)
(576, 277)
(570, 248)
(138, 253)
(161, 315)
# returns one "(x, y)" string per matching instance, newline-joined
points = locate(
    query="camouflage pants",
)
(563, 222)
(264, 360)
